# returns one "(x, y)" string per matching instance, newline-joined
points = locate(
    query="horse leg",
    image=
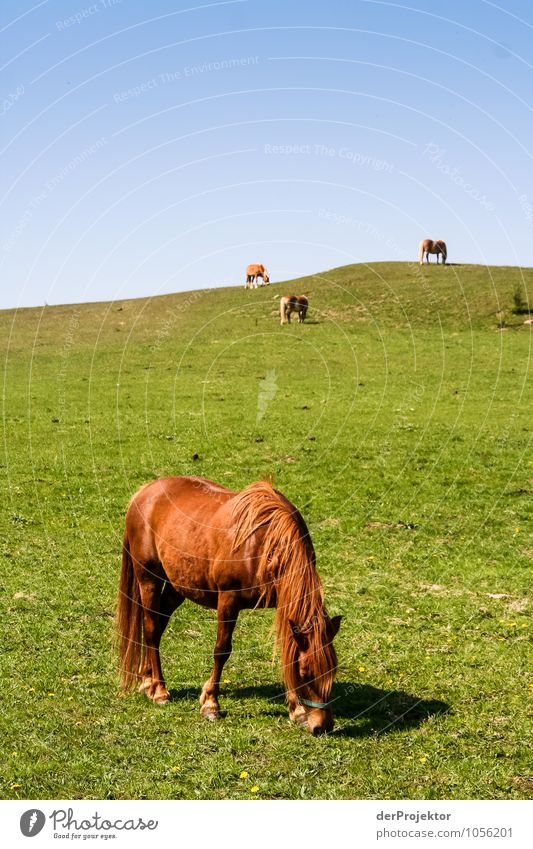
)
(158, 606)
(297, 711)
(169, 601)
(228, 611)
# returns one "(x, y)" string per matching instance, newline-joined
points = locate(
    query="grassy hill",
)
(398, 419)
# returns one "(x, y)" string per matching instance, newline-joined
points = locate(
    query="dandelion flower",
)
(423, 760)
(50, 694)
(360, 668)
(243, 774)
(254, 789)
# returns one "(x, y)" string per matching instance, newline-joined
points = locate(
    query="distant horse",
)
(290, 304)
(253, 272)
(428, 246)
(189, 538)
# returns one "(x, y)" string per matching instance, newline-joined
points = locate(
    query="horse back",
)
(184, 527)
(255, 268)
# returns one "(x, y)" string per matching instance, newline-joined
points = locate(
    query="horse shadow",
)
(370, 710)
(361, 710)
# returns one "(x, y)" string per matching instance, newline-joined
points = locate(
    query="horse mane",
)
(286, 573)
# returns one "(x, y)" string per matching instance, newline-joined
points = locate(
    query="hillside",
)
(390, 293)
(398, 419)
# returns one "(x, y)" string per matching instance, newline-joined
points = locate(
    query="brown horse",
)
(253, 272)
(293, 303)
(428, 246)
(189, 538)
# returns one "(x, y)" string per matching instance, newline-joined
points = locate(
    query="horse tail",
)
(421, 252)
(129, 621)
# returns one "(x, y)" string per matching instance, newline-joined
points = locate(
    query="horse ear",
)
(299, 638)
(335, 624)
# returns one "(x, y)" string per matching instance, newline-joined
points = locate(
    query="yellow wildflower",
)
(243, 774)
(254, 789)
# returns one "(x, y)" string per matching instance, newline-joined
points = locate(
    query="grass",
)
(398, 419)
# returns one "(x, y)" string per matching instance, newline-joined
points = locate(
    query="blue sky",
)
(153, 148)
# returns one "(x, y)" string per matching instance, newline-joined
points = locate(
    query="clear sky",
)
(148, 148)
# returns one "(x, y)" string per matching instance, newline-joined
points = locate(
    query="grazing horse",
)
(190, 538)
(253, 272)
(293, 303)
(428, 246)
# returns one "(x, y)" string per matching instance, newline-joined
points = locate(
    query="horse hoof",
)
(210, 713)
(298, 715)
(161, 700)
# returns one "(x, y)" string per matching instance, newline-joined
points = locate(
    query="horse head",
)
(315, 665)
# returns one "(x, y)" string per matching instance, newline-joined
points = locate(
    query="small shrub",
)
(521, 305)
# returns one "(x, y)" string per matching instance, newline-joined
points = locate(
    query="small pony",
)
(428, 246)
(190, 538)
(293, 303)
(252, 273)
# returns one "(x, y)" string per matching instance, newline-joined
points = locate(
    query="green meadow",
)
(398, 419)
